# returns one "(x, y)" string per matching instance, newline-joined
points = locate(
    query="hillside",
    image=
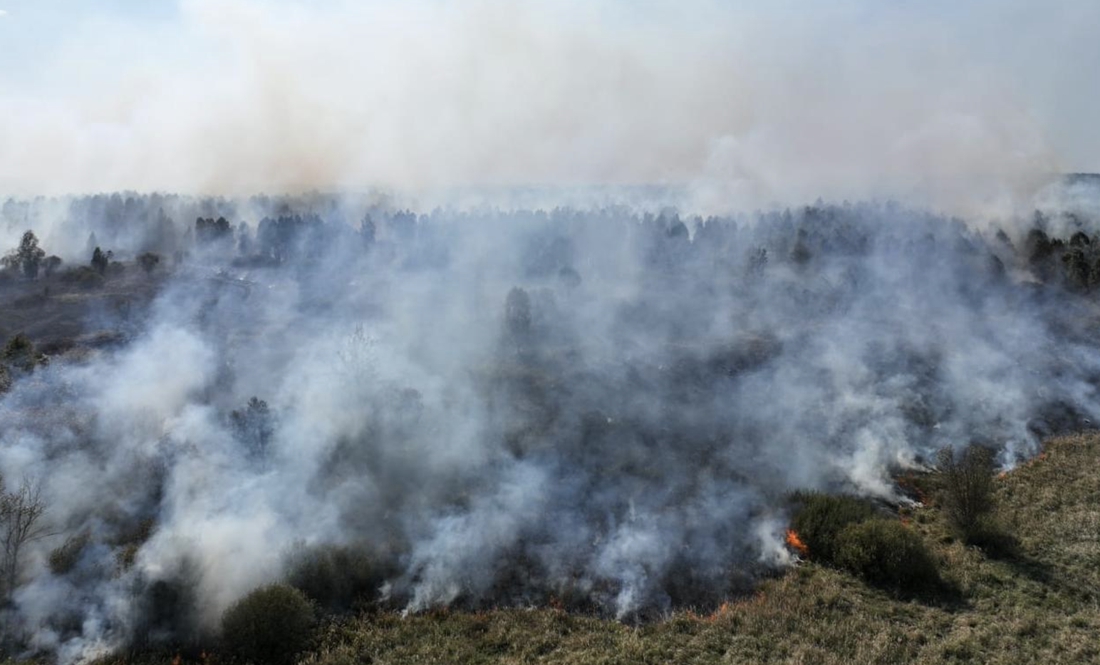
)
(1036, 604)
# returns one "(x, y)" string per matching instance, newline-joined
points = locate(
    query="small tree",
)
(149, 261)
(758, 262)
(967, 486)
(51, 264)
(27, 257)
(367, 231)
(100, 260)
(800, 253)
(254, 427)
(20, 513)
(92, 243)
(517, 313)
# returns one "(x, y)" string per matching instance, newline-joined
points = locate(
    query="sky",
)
(744, 103)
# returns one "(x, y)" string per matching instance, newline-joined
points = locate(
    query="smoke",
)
(967, 109)
(509, 408)
(542, 384)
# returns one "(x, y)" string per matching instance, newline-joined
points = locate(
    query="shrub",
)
(269, 626)
(19, 352)
(886, 553)
(64, 558)
(821, 517)
(254, 427)
(148, 261)
(334, 577)
(167, 608)
(967, 487)
(83, 277)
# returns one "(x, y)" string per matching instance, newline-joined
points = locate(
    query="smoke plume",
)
(506, 408)
(534, 348)
(965, 108)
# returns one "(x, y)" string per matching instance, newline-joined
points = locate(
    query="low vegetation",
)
(271, 625)
(889, 554)
(819, 520)
(335, 578)
(1040, 605)
(847, 532)
(966, 494)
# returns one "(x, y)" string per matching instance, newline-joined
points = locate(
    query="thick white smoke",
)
(510, 400)
(505, 408)
(746, 105)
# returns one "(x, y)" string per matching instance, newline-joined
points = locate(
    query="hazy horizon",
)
(743, 104)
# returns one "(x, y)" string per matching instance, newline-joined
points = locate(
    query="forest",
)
(333, 405)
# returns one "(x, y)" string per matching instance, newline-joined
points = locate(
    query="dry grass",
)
(1038, 603)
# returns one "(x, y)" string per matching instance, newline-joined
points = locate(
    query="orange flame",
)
(908, 484)
(796, 543)
(717, 614)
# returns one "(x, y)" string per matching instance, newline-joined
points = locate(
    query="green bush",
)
(269, 626)
(887, 553)
(819, 519)
(334, 577)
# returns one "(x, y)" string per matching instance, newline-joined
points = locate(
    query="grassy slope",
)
(1042, 603)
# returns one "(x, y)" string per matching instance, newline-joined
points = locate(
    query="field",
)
(1036, 603)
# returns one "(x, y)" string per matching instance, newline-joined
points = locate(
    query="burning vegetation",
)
(608, 412)
(796, 544)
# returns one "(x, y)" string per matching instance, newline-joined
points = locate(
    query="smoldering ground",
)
(602, 408)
